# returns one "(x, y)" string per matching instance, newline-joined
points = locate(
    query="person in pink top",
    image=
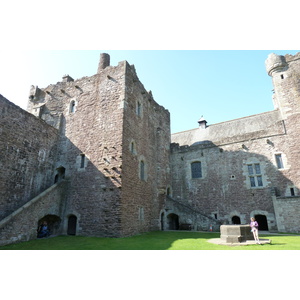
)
(254, 230)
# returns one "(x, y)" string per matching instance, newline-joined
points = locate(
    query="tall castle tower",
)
(113, 150)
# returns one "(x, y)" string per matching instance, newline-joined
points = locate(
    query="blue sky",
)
(220, 85)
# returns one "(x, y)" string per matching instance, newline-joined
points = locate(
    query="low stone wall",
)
(22, 224)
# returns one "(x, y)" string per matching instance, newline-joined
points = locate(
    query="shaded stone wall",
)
(287, 213)
(89, 115)
(22, 225)
(28, 149)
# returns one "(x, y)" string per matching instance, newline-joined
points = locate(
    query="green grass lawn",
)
(171, 240)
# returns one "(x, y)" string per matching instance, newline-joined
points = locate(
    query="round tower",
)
(285, 71)
(275, 63)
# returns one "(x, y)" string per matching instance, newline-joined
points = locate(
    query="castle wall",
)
(226, 150)
(146, 140)
(89, 115)
(22, 224)
(28, 156)
(239, 130)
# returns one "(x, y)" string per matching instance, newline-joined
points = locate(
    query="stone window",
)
(82, 162)
(139, 109)
(141, 214)
(72, 106)
(132, 147)
(142, 170)
(279, 161)
(196, 169)
(255, 175)
(292, 190)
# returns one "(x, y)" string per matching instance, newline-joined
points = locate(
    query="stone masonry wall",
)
(146, 140)
(89, 115)
(23, 223)
(28, 148)
(287, 209)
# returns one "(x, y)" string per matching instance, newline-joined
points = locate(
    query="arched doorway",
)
(262, 222)
(236, 220)
(53, 223)
(173, 222)
(60, 174)
(72, 225)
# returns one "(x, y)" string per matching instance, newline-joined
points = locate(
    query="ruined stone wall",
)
(146, 140)
(89, 115)
(28, 149)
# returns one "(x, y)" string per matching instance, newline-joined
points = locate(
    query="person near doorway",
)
(43, 230)
(254, 230)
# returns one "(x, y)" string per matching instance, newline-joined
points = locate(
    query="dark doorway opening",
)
(60, 174)
(262, 222)
(173, 222)
(53, 223)
(162, 227)
(72, 224)
(236, 220)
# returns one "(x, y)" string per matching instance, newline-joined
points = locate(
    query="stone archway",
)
(262, 222)
(236, 220)
(53, 223)
(173, 222)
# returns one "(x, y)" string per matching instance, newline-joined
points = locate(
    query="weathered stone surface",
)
(236, 233)
(110, 141)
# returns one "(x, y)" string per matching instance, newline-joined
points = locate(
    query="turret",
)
(285, 71)
(275, 63)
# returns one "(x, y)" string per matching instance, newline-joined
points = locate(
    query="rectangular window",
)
(141, 214)
(255, 177)
(257, 169)
(252, 181)
(259, 181)
(292, 191)
(279, 161)
(250, 169)
(196, 169)
(82, 161)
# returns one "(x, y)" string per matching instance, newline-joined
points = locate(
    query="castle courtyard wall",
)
(28, 148)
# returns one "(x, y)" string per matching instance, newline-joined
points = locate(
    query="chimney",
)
(202, 123)
(104, 62)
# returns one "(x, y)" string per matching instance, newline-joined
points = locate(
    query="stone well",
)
(236, 233)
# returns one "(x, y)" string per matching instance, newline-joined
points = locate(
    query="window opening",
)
(142, 170)
(292, 191)
(282, 77)
(255, 176)
(139, 109)
(279, 161)
(196, 169)
(82, 161)
(72, 106)
(141, 214)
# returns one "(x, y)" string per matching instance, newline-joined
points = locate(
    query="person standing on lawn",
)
(254, 230)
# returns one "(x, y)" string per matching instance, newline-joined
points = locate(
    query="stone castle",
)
(95, 157)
